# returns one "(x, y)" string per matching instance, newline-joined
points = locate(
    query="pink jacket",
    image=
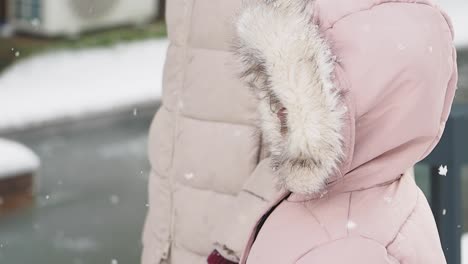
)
(368, 86)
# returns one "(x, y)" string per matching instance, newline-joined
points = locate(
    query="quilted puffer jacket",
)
(351, 94)
(210, 179)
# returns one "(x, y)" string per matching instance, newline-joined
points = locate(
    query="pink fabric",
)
(398, 66)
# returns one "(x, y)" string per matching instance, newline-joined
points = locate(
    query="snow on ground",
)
(16, 159)
(69, 84)
(457, 10)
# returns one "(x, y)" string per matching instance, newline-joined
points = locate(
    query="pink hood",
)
(368, 86)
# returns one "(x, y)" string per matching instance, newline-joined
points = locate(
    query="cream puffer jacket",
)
(209, 181)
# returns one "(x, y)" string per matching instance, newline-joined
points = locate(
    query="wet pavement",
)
(91, 195)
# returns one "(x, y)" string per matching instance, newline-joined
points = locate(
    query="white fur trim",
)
(286, 60)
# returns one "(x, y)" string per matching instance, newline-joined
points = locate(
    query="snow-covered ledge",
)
(67, 85)
(18, 166)
(16, 159)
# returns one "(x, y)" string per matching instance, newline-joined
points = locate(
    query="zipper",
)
(259, 224)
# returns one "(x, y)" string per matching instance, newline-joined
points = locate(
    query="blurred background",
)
(80, 81)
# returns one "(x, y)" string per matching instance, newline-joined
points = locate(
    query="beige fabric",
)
(206, 187)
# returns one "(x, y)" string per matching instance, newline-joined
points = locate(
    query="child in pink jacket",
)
(351, 93)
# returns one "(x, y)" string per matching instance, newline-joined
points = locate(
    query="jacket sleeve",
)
(349, 250)
(232, 232)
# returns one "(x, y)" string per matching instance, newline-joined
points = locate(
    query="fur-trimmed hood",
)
(288, 64)
(332, 90)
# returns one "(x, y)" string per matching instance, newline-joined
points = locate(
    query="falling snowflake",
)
(189, 175)
(35, 22)
(114, 261)
(75, 244)
(444, 211)
(350, 224)
(17, 54)
(47, 197)
(147, 204)
(114, 199)
(135, 111)
(322, 194)
(443, 170)
(388, 199)
(180, 104)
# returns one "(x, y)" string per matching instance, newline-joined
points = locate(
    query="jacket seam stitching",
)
(214, 121)
(157, 172)
(406, 221)
(436, 137)
(374, 5)
(339, 239)
(349, 213)
(201, 48)
(205, 189)
(316, 219)
(360, 235)
(176, 114)
(179, 245)
(254, 195)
